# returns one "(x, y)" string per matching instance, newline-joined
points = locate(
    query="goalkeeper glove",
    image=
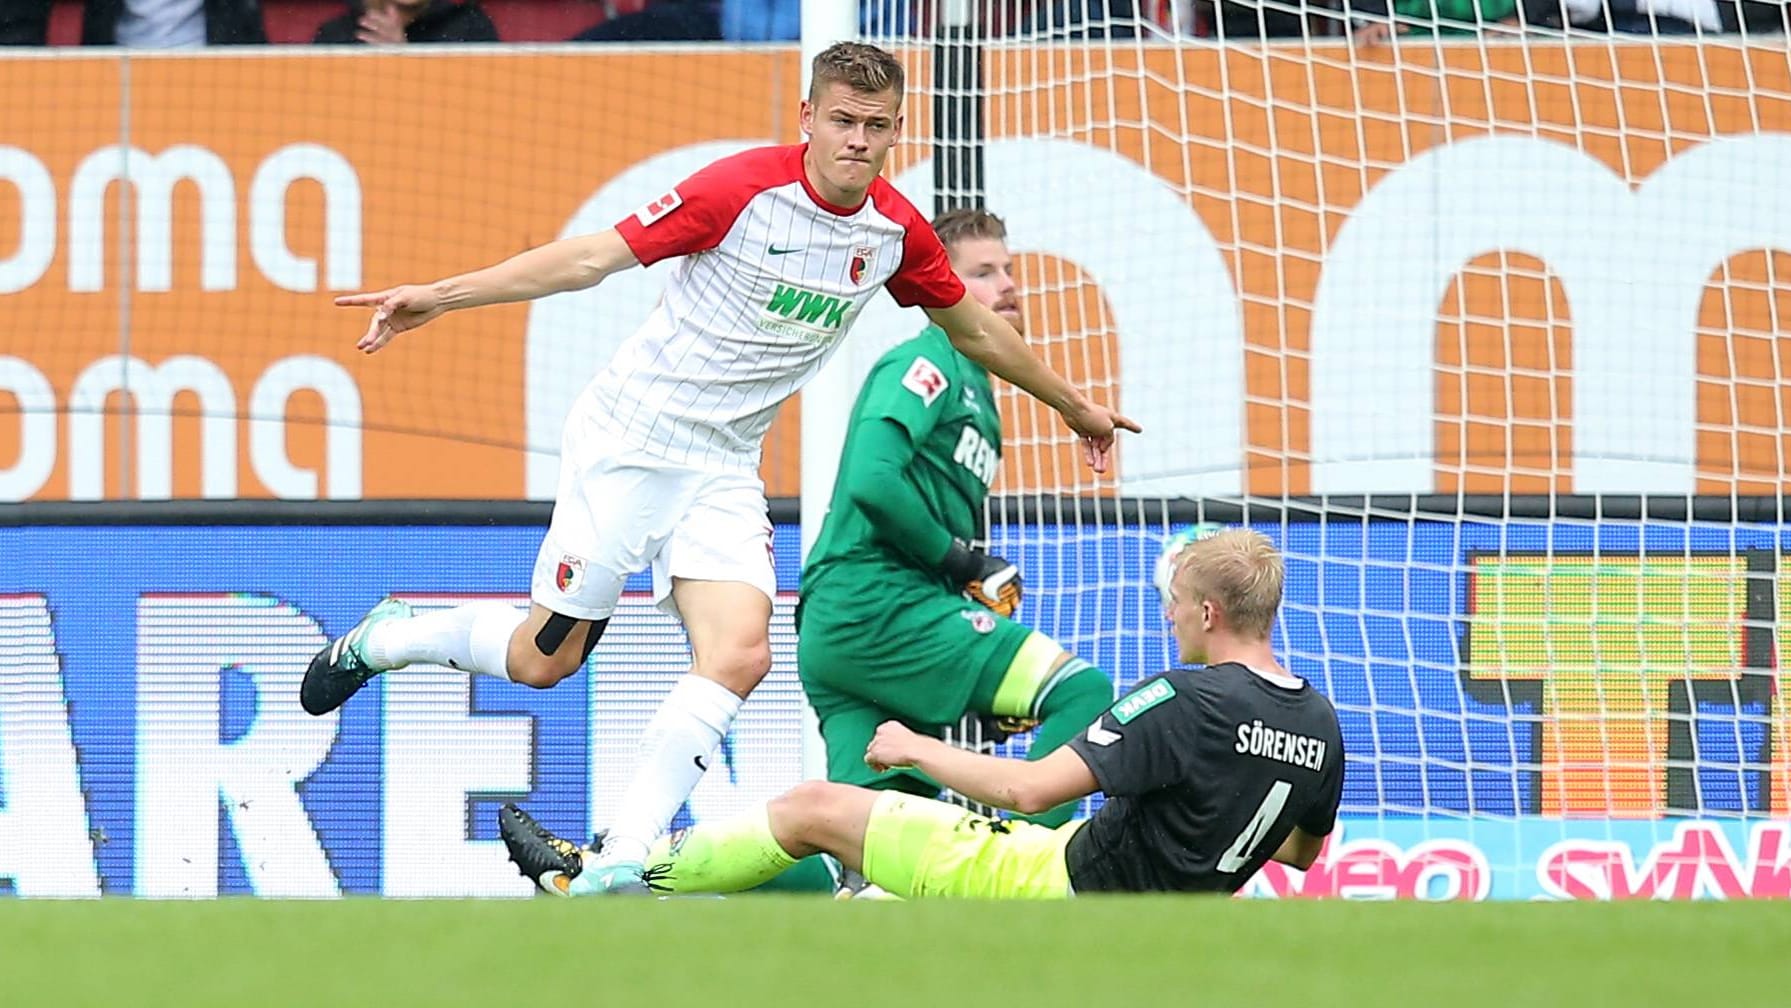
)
(998, 728)
(988, 580)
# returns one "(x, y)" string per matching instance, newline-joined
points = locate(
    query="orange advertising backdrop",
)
(447, 162)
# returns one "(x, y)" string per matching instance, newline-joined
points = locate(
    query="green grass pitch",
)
(1114, 952)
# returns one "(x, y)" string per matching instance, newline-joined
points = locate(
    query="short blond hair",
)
(863, 68)
(1241, 571)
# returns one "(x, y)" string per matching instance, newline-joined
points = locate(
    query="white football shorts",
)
(617, 512)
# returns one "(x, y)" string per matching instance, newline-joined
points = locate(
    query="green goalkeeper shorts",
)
(920, 847)
(847, 727)
(916, 651)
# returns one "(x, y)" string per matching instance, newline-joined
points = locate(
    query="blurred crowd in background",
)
(179, 23)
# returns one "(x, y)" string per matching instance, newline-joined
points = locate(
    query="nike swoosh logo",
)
(700, 765)
(774, 250)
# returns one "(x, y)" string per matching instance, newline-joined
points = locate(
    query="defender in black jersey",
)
(1208, 774)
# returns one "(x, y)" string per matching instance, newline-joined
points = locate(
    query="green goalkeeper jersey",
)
(945, 403)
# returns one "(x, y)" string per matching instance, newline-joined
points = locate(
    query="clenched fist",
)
(895, 745)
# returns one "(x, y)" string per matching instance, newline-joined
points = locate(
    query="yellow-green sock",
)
(720, 857)
(1080, 695)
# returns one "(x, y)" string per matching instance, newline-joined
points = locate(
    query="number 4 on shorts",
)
(1239, 853)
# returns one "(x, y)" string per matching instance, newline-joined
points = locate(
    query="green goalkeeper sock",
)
(721, 857)
(1079, 694)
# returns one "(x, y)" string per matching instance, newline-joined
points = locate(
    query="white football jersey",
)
(772, 278)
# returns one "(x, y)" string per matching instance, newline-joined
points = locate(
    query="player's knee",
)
(740, 667)
(540, 671)
(807, 795)
(755, 659)
(807, 804)
(795, 812)
(555, 652)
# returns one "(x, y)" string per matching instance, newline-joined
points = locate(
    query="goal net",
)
(1485, 328)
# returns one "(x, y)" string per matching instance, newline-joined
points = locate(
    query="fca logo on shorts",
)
(569, 573)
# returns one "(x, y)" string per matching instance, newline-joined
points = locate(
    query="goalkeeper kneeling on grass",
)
(900, 618)
(1208, 774)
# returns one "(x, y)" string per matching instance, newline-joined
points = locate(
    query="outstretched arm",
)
(1027, 787)
(987, 338)
(565, 265)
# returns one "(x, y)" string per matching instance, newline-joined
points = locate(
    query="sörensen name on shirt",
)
(1269, 742)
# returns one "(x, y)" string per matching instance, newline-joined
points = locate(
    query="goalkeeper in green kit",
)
(900, 616)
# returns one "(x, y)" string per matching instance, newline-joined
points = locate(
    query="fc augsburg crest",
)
(861, 262)
(569, 573)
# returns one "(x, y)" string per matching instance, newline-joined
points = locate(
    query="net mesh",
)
(1484, 330)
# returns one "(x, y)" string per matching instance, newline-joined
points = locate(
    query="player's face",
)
(850, 133)
(988, 274)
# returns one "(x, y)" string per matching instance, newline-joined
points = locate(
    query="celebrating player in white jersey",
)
(782, 248)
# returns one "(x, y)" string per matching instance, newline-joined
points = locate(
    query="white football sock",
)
(675, 748)
(474, 637)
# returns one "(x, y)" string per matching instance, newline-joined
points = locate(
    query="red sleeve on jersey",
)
(697, 214)
(925, 277)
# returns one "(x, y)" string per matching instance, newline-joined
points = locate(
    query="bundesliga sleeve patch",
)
(659, 208)
(924, 379)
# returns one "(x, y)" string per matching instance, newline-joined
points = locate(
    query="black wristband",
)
(961, 563)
